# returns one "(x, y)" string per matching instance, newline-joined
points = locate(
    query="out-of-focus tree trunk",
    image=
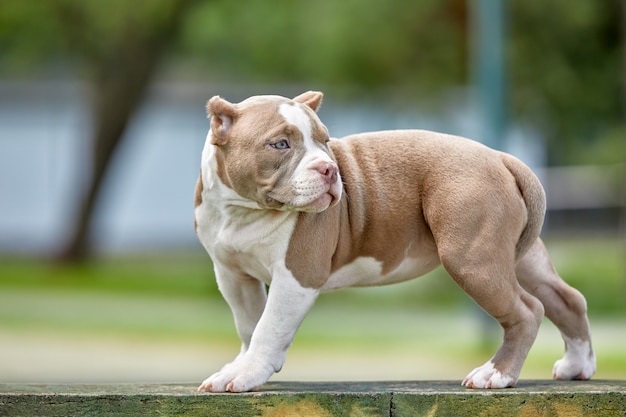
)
(120, 74)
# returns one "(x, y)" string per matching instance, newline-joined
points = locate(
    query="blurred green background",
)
(101, 127)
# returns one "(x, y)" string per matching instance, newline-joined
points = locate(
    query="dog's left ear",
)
(223, 115)
(313, 99)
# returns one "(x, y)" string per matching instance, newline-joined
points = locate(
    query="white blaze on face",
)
(294, 115)
(306, 181)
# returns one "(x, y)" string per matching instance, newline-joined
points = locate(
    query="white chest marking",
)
(234, 231)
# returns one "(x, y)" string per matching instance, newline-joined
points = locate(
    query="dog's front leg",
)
(246, 297)
(287, 305)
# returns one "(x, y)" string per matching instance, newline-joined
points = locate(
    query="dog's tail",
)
(535, 198)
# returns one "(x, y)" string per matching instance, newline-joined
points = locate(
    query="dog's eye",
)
(281, 144)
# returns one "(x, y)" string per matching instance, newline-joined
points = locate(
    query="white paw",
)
(487, 376)
(238, 376)
(579, 361)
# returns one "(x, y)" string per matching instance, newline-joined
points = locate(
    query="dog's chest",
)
(243, 240)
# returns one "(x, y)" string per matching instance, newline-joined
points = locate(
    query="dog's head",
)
(273, 150)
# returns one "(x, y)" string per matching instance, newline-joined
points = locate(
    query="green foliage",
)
(567, 75)
(353, 43)
(565, 59)
(52, 32)
(27, 35)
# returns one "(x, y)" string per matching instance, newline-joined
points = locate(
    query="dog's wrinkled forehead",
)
(271, 111)
(295, 115)
(265, 117)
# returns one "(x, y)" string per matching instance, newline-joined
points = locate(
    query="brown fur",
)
(381, 217)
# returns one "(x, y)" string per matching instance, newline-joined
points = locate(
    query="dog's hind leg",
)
(565, 307)
(490, 280)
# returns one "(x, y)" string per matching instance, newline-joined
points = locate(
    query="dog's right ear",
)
(223, 115)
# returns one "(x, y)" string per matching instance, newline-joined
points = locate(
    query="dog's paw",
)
(579, 362)
(239, 376)
(487, 376)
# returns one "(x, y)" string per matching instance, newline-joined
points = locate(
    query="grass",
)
(65, 334)
(188, 274)
(173, 299)
(596, 266)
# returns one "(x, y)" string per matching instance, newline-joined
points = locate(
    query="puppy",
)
(280, 204)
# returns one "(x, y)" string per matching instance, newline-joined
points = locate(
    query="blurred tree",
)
(119, 45)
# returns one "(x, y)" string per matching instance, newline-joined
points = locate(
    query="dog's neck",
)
(242, 222)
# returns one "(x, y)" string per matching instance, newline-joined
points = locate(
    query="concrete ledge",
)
(429, 398)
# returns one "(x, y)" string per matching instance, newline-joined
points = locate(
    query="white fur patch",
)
(359, 272)
(208, 166)
(487, 376)
(296, 116)
(368, 272)
(579, 361)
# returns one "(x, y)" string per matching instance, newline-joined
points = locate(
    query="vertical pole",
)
(623, 30)
(488, 33)
(487, 52)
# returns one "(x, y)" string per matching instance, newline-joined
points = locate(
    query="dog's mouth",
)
(314, 204)
(321, 203)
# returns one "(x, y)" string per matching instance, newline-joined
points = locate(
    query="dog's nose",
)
(328, 171)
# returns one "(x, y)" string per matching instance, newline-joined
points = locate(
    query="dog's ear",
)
(223, 115)
(313, 99)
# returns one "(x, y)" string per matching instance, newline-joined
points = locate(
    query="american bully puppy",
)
(279, 204)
